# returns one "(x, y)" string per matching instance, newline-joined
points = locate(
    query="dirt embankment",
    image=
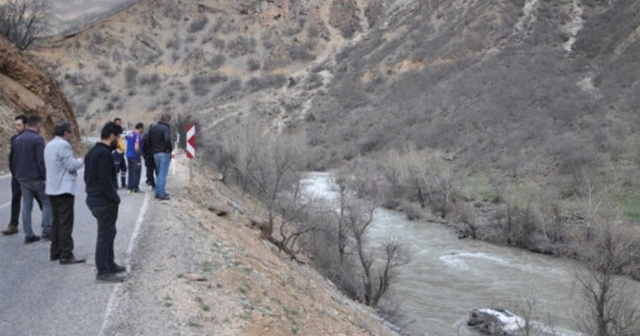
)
(24, 88)
(201, 269)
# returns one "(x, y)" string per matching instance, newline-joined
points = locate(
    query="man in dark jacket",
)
(102, 199)
(16, 193)
(160, 136)
(28, 162)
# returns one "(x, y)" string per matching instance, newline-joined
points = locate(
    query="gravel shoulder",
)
(200, 269)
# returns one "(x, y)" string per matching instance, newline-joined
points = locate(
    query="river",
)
(449, 277)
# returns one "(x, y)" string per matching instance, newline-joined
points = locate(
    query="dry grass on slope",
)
(200, 269)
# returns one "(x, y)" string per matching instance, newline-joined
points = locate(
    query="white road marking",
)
(113, 300)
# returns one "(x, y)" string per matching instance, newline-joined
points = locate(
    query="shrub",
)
(261, 83)
(241, 46)
(201, 85)
(253, 64)
(216, 62)
(149, 79)
(197, 24)
(130, 74)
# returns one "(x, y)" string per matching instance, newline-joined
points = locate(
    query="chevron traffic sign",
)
(191, 141)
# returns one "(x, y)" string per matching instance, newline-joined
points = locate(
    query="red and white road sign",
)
(191, 141)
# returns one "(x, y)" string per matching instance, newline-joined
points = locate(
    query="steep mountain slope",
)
(490, 81)
(522, 88)
(24, 88)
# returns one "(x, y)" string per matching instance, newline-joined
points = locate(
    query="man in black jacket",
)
(102, 199)
(28, 164)
(16, 192)
(160, 136)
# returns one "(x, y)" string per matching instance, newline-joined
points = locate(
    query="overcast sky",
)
(72, 9)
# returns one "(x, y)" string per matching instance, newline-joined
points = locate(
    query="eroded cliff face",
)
(24, 88)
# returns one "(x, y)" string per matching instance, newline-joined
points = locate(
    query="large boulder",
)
(496, 322)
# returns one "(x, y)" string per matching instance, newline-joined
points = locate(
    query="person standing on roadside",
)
(28, 162)
(118, 157)
(134, 160)
(160, 136)
(102, 199)
(62, 170)
(16, 193)
(149, 162)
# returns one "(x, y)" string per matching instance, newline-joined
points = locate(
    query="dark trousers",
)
(62, 226)
(135, 168)
(16, 197)
(16, 201)
(150, 163)
(107, 215)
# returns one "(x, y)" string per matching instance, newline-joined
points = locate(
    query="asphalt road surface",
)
(42, 297)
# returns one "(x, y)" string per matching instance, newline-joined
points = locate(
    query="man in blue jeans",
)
(160, 137)
(101, 183)
(28, 162)
(134, 153)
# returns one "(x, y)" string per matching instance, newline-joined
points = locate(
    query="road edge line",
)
(113, 304)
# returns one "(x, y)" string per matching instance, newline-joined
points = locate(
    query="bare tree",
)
(341, 223)
(468, 220)
(427, 176)
(612, 307)
(22, 20)
(375, 280)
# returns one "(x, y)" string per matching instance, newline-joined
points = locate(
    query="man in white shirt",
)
(62, 170)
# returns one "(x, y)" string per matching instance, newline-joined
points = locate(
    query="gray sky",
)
(72, 9)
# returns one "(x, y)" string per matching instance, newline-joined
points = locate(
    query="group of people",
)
(154, 147)
(47, 174)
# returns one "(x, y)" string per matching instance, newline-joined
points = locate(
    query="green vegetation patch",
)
(480, 186)
(630, 205)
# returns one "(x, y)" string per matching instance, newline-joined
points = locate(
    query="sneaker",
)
(109, 277)
(115, 268)
(163, 198)
(46, 236)
(32, 239)
(11, 229)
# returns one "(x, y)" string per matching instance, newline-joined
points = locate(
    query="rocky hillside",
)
(24, 88)
(191, 55)
(527, 89)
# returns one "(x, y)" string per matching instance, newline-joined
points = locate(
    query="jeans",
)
(162, 165)
(135, 168)
(107, 215)
(35, 189)
(121, 166)
(16, 201)
(62, 226)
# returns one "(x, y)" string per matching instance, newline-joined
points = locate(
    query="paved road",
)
(41, 297)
